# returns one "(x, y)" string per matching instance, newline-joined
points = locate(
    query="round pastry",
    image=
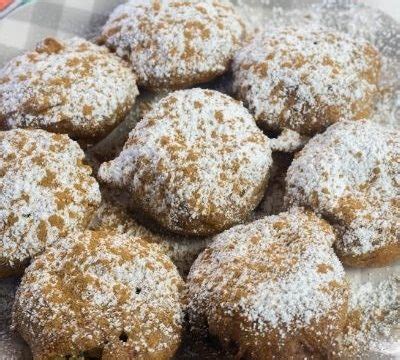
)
(100, 295)
(196, 164)
(175, 44)
(182, 250)
(350, 176)
(306, 79)
(73, 87)
(271, 289)
(46, 193)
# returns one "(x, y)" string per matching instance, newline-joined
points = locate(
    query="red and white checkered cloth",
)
(6, 6)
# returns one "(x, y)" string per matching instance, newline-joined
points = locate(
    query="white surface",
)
(391, 7)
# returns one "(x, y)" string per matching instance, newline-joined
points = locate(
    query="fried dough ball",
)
(351, 176)
(175, 44)
(72, 87)
(46, 193)
(100, 295)
(271, 289)
(196, 164)
(306, 79)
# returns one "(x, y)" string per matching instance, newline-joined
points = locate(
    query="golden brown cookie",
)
(175, 44)
(72, 87)
(271, 289)
(306, 79)
(182, 250)
(46, 193)
(350, 175)
(196, 164)
(100, 295)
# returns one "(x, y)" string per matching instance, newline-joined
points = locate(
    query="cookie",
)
(271, 289)
(175, 44)
(350, 176)
(72, 87)
(306, 79)
(100, 295)
(196, 163)
(46, 193)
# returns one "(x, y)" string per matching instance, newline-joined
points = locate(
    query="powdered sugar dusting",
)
(359, 21)
(46, 192)
(174, 44)
(350, 175)
(288, 141)
(182, 250)
(102, 291)
(306, 78)
(374, 311)
(72, 87)
(196, 163)
(277, 274)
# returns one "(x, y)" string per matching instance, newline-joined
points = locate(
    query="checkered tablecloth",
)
(25, 25)
(28, 24)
